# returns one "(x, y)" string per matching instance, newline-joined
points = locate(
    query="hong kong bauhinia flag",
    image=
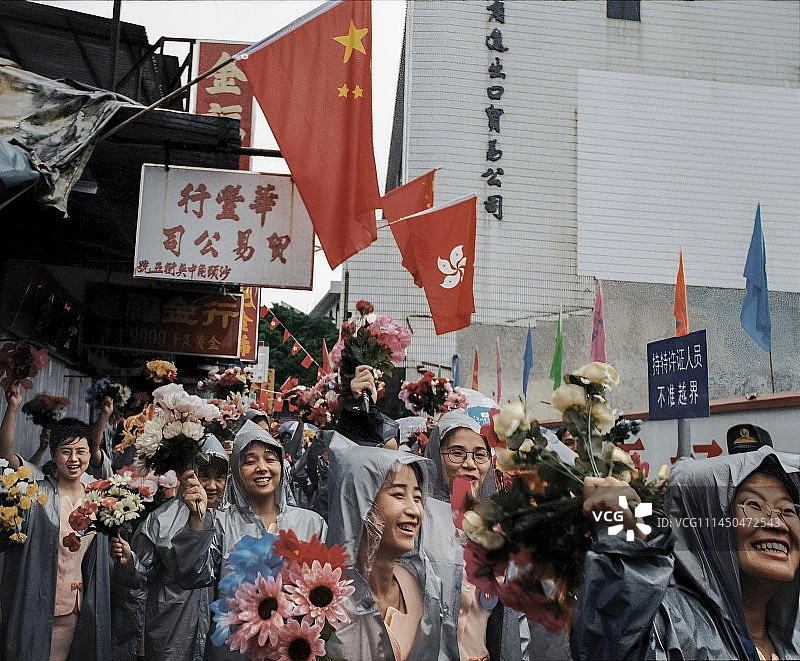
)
(442, 246)
(313, 81)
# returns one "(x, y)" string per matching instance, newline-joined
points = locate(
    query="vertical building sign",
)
(226, 93)
(494, 111)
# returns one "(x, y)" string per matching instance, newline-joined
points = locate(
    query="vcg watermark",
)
(616, 518)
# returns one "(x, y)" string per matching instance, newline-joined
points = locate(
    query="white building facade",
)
(623, 142)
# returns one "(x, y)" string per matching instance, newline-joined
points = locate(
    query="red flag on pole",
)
(307, 361)
(597, 353)
(274, 323)
(286, 335)
(475, 371)
(263, 311)
(296, 348)
(442, 246)
(679, 309)
(326, 360)
(406, 200)
(317, 73)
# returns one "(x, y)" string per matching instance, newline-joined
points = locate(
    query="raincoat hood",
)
(451, 420)
(706, 555)
(235, 493)
(211, 445)
(356, 476)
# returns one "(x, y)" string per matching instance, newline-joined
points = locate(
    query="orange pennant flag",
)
(475, 371)
(313, 80)
(679, 309)
(406, 200)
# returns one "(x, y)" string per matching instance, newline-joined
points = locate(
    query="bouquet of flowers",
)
(104, 387)
(284, 599)
(169, 432)
(378, 341)
(229, 381)
(19, 363)
(538, 525)
(45, 409)
(153, 489)
(431, 395)
(318, 405)
(160, 371)
(17, 493)
(111, 504)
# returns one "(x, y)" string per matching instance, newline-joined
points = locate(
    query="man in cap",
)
(746, 438)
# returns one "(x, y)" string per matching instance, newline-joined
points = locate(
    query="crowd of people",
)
(677, 591)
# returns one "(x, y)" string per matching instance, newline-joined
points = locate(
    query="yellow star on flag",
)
(352, 41)
(343, 90)
(357, 92)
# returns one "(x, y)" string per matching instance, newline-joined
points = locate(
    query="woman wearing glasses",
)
(721, 581)
(474, 626)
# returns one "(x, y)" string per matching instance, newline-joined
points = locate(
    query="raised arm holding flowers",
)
(540, 525)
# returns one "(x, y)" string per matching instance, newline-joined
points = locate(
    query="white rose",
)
(527, 445)
(173, 429)
(510, 418)
(626, 476)
(663, 472)
(475, 529)
(472, 523)
(602, 417)
(568, 395)
(602, 373)
(193, 430)
(505, 460)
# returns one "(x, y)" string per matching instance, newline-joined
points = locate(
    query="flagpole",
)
(771, 372)
(426, 211)
(168, 97)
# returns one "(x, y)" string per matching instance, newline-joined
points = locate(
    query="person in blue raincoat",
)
(256, 497)
(720, 581)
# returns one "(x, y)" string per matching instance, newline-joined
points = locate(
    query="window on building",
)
(627, 10)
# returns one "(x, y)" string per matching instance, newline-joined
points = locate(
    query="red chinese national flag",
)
(274, 323)
(296, 349)
(313, 80)
(442, 245)
(406, 200)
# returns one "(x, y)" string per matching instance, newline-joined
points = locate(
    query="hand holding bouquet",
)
(378, 342)
(111, 504)
(17, 493)
(539, 525)
(318, 405)
(284, 598)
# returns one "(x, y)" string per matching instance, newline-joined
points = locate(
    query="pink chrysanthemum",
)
(300, 641)
(260, 610)
(318, 592)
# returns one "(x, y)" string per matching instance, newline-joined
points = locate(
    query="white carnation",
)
(510, 418)
(148, 444)
(173, 429)
(193, 430)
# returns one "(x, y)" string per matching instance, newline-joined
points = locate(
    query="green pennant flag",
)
(558, 354)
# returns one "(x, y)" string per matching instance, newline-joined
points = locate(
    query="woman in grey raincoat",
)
(256, 504)
(475, 627)
(173, 617)
(720, 582)
(376, 501)
(56, 602)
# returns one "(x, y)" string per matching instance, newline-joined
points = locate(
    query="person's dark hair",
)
(214, 463)
(772, 467)
(63, 432)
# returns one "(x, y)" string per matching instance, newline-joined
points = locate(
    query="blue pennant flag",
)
(755, 309)
(456, 370)
(527, 363)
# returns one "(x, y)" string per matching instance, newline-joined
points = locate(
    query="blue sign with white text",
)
(677, 377)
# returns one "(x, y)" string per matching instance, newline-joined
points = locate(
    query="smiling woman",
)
(726, 587)
(377, 500)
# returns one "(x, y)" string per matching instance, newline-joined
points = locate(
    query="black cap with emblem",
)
(746, 438)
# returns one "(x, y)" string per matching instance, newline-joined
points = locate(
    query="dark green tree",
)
(307, 331)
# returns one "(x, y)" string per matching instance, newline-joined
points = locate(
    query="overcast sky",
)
(250, 21)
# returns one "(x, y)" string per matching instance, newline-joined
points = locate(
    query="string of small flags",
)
(287, 335)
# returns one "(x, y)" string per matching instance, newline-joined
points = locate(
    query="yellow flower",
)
(9, 479)
(23, 472)
(13, 491)
(19, 537)
(32, 489)
(8, 515)
(41, 498)
(568, 395)
(24, 503)
(601, 373)
(663, 472)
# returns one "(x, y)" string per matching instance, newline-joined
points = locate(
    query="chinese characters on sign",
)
(223, 226)
(494, 113)
(226, 93)
(677, 377)
(248, 345)
(163, 321)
